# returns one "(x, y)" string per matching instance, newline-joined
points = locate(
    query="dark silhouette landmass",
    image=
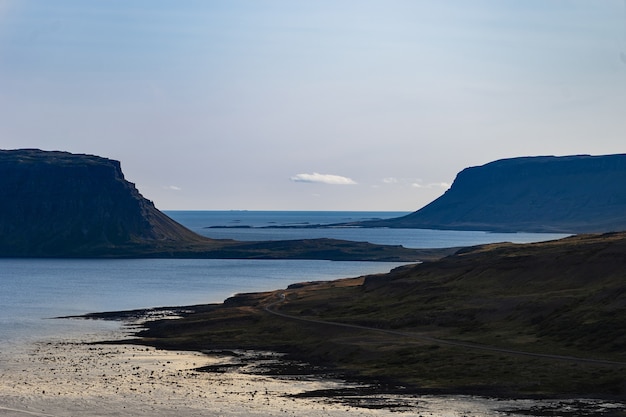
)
(569, 194)
(58, 204)
(541, 319)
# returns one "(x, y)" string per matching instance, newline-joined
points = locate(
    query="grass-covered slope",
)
(536, 319)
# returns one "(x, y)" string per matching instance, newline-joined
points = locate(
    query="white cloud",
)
(414, 182)
(323, 179)
(172, 188)
(443, 185)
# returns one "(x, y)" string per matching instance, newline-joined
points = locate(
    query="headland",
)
(62, 205)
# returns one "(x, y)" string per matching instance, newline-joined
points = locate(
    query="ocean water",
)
(282, 225)
(35, 290)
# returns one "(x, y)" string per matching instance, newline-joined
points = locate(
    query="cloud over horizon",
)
(415, 183)
(323, 179)
(444, 185)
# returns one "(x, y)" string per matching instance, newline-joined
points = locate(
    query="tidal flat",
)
(88, 378)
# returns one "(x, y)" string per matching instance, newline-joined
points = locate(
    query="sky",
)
(311, 105)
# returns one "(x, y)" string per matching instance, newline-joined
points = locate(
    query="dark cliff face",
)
(573, 194)
(57, 203)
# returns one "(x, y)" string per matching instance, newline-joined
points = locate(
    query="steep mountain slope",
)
(57, 204)
(571, 194)
(61, 203)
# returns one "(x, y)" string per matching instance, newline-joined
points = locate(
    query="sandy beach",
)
(72, 378)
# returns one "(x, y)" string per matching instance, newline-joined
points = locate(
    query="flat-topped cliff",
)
(62, 203)
(58, 204)
(570, 194)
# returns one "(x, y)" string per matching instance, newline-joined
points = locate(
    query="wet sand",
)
(72, 378)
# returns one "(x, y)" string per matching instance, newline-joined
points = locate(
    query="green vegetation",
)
(427, 323)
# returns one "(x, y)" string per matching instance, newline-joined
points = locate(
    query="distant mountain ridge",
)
(568, 194)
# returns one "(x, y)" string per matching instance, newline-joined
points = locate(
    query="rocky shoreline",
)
(349, 389)
(88, 378)
(65, 378)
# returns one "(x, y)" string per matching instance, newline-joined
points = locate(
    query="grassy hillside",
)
(436, 326)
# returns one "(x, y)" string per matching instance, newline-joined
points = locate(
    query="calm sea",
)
(35, 290)
(280, 225)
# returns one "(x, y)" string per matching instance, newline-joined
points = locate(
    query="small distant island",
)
(59, 204)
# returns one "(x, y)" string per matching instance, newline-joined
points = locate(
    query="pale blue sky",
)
(311, 105)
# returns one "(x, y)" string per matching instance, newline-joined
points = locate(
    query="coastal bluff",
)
(568, 194)
(59, 204)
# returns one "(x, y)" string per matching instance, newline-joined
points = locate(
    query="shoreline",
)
(90, 378)
(108, 374)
